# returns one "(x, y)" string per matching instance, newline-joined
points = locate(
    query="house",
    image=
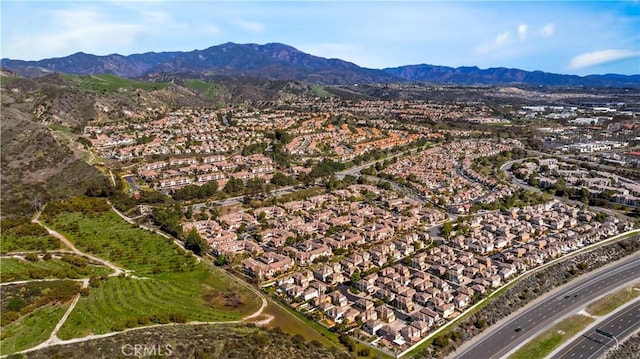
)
(310, 293)
(404, 304)
(336, 278)
(372, 326)
(320, 286)
(495, 281)
(351, 315)
(423, 327)
(364, 304)
(385, 295)
(338, 298)
(461, 300)
(368, 315)
(446, 310)
(268, 265)
(386, 314)
(365, 286)
(390, 334)
(323, 273)
(422, 298)
(337, 313)
(410, 333)
(427, 315)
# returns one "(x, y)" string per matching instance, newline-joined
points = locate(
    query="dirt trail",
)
(116, 270)
(54, 340)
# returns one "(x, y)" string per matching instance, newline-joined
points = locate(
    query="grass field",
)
(14, 269)
(172, 282)
(207, 90)
(17, 243)
(610, 302)
(31, 330)
(545, 343)
(320, 91)
(109, 237)
(291, 324)
(126, 302)
(111, 83)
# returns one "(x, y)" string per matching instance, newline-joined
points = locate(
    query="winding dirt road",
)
(116, 270)
(54, 340)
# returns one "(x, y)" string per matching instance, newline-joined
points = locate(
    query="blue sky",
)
(564, 37)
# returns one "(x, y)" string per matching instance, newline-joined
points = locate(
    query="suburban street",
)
(497, 341)
(354, 171)
(506, 167)
(593, 345)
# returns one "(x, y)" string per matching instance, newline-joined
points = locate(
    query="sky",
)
(574, 37)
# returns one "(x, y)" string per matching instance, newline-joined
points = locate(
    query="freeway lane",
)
(498, 341)
(593, 345)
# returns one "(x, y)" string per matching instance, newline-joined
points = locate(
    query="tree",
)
(355, 277)
(168, 219)
(195, 243)
(283, 136)
(255, 185)
(233, 186)
(447, 228)
(280, 179)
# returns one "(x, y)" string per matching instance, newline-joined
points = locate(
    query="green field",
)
(16, 243)
(169, 284)
(610, 302)
(546, 342)
(107, 236)
(111, 83)
(293, 325)
(14, 269)
(31, 330)
(31, 310)
(320, 91)
(119, 303)
(207, 90)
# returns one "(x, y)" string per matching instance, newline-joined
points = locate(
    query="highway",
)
(508, 334)
(592, 345)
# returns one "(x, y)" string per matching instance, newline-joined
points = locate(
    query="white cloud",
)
(601, 57)
(522, 31)
(249, 26)
(503, 39)
(512, 44)
(78, 30)
(548, 30)
(156, 16)
(212, 29)
(499, 42)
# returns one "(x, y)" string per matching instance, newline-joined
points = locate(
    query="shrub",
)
(364, 352)
(15, 304)
(8, 317)
(32, 257)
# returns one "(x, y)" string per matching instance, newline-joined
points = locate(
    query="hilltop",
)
(275, 61)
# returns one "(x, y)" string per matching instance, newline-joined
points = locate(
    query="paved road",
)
(500, 340)
(592, 345)
(238, 199)
(355, 170)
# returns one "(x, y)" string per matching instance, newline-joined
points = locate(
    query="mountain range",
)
(276, 61)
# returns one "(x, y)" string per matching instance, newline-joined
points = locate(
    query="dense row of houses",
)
(438, 282)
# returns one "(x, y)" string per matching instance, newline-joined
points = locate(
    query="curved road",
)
(593, 345)
(500, 340)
